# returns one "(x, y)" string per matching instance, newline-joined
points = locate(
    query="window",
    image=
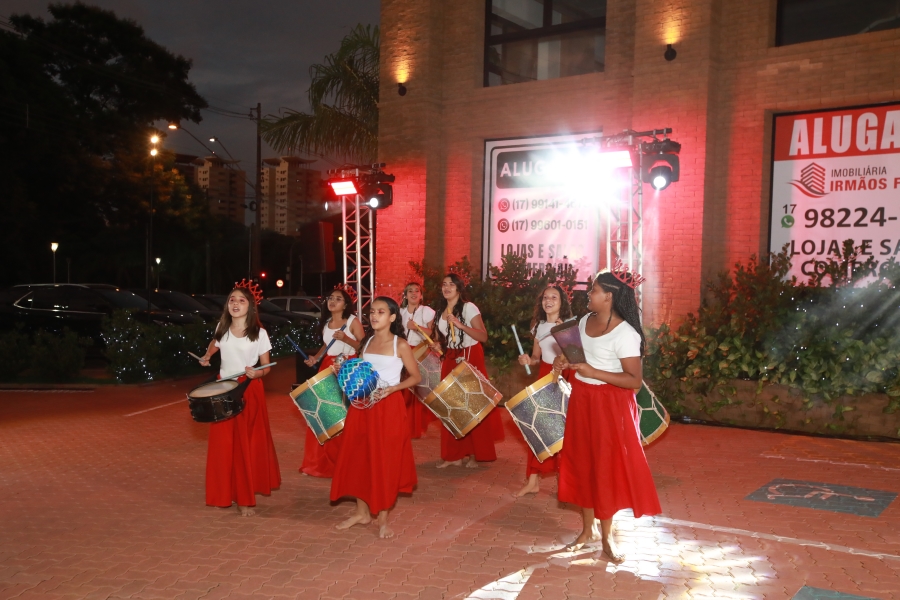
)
(530, 40)
(800, 21)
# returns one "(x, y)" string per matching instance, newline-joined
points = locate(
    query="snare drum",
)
(654, 416)
(216, 401)
(322, 404)
(539, 411)
(430, 369)
(463, 399)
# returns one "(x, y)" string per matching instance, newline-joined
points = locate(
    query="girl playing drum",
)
(376, 460)
(413, 313)
(461, 332)
(552, 308)
(343, 329)
(241, 459)
(603, 468)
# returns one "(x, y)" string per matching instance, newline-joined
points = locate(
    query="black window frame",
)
(547, 30)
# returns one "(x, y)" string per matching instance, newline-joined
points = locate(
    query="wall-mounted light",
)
(401, 89)
(670, 52)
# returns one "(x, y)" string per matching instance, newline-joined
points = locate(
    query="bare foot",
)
(449, 463)
(384, 531)
(532, 486)
(611, 552)
(472, 463)
(246, 511)
(586, 537)
(355, 519)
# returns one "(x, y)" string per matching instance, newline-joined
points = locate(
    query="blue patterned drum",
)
(358, 378)
(539, 411)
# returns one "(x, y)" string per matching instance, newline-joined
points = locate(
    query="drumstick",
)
(195, 356)
(425, 335)
(452, 328)
(242, 373)
(519, 344)
(297, 348)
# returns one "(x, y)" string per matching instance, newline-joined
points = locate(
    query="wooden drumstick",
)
(452, 328)
(425, 335)
(242, 373)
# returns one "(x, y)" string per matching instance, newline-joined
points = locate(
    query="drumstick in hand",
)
(425, 335)
(195, 356)
(519, 344)
(242, 373)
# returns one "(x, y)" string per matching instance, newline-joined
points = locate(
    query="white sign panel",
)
(542, 200)
(836, 176)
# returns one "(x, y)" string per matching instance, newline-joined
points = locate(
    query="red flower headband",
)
(251, 287)
(347, 289)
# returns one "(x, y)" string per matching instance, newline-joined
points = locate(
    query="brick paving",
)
(99, 499)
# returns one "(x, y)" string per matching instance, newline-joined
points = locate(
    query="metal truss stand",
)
(359, 250)
(625, 227)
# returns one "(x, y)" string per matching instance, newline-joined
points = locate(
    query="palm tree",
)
(343, 95)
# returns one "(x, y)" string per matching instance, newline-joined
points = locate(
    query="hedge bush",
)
(44, 355)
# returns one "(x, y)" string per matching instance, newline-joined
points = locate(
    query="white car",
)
(304, 305)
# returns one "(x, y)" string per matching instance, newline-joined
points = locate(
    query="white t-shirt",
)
(469, 312)
(549, 347)
(604, 352)
(238, 353)
(422, 315)
(339, 347)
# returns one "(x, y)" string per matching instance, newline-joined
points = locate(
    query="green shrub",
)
(825, 342)
(57, 357)
(14, 353)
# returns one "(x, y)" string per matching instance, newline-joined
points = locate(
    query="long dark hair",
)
(396, 325)
(540, 315)
(253, 324)
(349, 308)
(624, 303)
(457, 310)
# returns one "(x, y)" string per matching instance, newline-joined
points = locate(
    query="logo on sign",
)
(503, 225)
(503, 205)
(812, 181)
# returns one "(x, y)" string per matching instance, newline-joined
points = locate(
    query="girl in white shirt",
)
(460, 332)
(603, 468)
(241, 460)
(414, 313)
(550, 309)
(319, 459)
(376, 460)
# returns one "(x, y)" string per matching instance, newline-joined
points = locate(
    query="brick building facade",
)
(719, 96)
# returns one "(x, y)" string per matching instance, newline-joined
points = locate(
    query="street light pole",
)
(153, 152)
(53, 247)
(158, 269)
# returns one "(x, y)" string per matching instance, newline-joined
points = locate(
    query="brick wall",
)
(718, 95)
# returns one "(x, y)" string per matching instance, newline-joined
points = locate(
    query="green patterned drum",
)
(322, 404)
(654, 417)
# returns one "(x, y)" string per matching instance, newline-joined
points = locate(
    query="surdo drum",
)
(463, 399)
(215, 401)
(323, 405)
(539, 411)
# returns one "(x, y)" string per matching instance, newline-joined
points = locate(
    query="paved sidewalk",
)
(102, 496)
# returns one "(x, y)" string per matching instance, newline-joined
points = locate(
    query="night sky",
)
(243, 52)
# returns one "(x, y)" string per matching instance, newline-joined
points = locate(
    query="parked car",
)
(80, 307)
(181, 302)
(305, 305)
(217, 302)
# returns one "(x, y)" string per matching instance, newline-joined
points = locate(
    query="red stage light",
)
(343, 188)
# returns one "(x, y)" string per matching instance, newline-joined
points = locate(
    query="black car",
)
(80, 307)
(180, 302)
(217, 302)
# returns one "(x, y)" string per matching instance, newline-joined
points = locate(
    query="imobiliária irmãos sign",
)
(836, 176)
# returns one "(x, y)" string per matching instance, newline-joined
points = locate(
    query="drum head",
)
(214, 388)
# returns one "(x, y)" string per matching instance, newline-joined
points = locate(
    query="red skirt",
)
(319, 459)
(376, 460)
(417, 414)
(241, 460)
(551, 465)
(480, 441)
(603, 466)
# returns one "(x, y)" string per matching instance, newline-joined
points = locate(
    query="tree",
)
(79, 95)
(343, 97)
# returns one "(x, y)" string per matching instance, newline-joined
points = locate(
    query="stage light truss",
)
(359, 250)
(625, 222)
